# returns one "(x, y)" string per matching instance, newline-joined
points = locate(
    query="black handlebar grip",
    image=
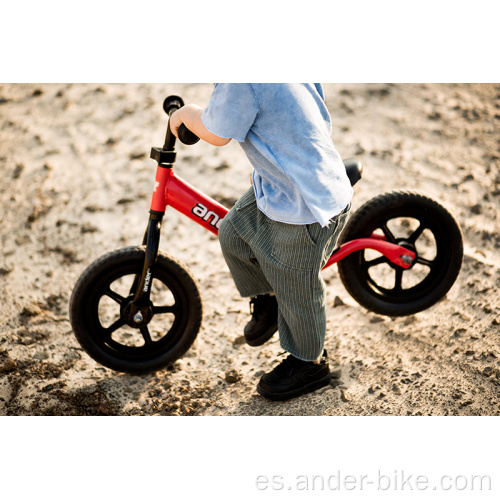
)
(172, 103)
(186, 136)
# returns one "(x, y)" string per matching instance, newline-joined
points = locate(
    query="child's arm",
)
(190, 115)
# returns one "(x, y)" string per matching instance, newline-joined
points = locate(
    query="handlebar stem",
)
(169, 139)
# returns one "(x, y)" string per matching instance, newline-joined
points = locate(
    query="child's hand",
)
(175, 122)
(190, 115)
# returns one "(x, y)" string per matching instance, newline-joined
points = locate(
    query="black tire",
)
(97, 312)
(415, 221)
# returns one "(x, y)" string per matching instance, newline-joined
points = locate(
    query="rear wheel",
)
(102, 296)
(415, 222)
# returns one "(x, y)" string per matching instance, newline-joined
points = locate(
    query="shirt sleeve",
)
(231, 111)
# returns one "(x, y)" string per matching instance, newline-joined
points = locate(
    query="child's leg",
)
(294, 270)
(266, 256)
(236, 231)
(302, 316)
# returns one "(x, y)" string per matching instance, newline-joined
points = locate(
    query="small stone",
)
(476, 209)
(18, 171)
(125, 201)
(72, 355)
(137, 155)
(374, 389)
(470, 353)
(396, 389)
(488, 371)
(338, 302)
(5, 270)
(88, 228)
(42, 355)
(7, 365)
(345, 396)
(359, 149)
(459, 332)
(31, 310)
(336, 374)
(239, 340)
(409, 320)
(232, 376)
(377, 319)
(223, 165)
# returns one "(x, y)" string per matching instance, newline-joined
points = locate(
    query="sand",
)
(76, 183)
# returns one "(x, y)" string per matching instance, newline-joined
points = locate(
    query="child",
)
(280, 233)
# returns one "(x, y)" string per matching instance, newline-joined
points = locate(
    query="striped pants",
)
(266, 256)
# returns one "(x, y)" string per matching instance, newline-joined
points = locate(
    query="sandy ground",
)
(76, 183)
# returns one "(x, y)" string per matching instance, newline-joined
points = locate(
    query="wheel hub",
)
(409, 246)
(137, 317)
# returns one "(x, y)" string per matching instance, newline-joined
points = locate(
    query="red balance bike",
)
(138, 310)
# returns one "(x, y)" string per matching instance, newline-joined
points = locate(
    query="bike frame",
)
(171, 190)
(208, 213)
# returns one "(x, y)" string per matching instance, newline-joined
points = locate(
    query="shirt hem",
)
(304, 223)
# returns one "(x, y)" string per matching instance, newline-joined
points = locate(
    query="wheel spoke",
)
(146, 336)
(112, 328)
(165, 309)
(417, 233)
(113, 295)
(425, 262)
(398, 283)
(367, 264)
(375, 285)
(387, 233)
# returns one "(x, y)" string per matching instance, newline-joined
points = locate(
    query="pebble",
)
(409, 320)
(232, 376)
(488, 371)
(459, 332)
(345, 396)
(377, 319)
(31, 310)
(396, 389)
(5, 270)
(7, 365)
(338, 302)
(42, 355)
(239, 341)
(72, 355)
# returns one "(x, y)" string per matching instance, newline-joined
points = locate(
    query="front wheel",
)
(98, 312)
(417, 223)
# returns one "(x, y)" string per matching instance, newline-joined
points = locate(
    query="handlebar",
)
(171, 104)
(186, 136)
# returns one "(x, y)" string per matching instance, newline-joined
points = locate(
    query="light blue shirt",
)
(284, 129)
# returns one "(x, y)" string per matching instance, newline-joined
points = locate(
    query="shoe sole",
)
(263, 338)
(283, 396)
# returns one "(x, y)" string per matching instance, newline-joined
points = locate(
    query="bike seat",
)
(354, 169)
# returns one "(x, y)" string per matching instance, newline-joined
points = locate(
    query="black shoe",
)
(293, 377)
(264, 322)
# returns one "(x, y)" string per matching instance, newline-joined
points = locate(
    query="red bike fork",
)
(139, 313)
